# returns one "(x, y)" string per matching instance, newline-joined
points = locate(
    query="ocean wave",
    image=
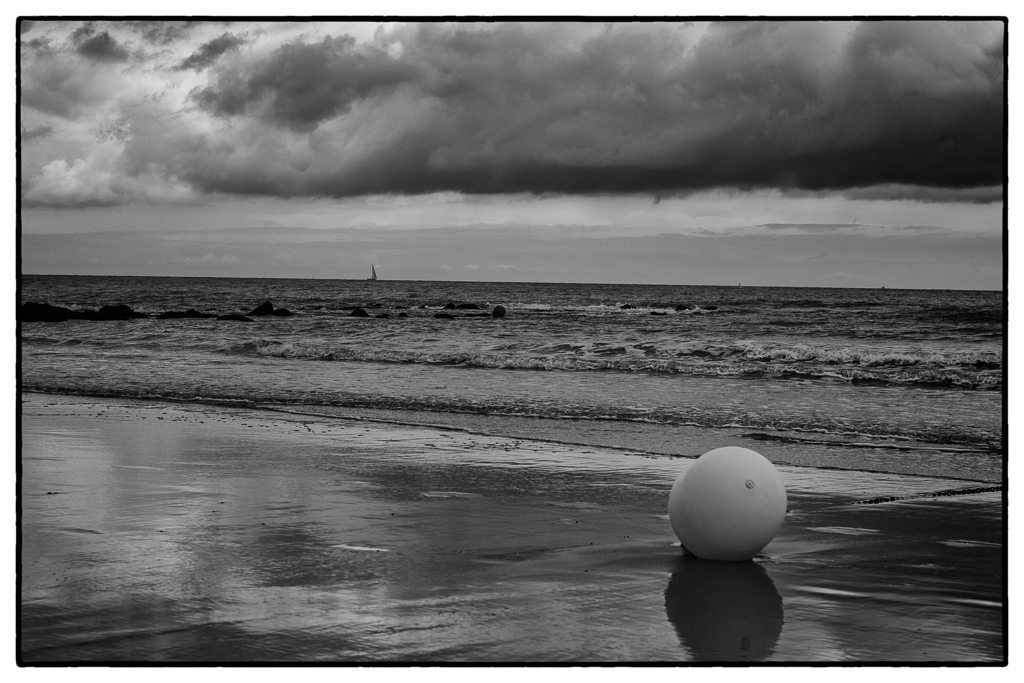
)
(747, 359)
(869, 357)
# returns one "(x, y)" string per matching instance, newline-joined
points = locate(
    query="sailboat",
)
(373, 273)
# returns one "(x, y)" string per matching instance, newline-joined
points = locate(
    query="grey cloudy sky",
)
(789, 153)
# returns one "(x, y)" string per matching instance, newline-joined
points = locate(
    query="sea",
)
(878, 380)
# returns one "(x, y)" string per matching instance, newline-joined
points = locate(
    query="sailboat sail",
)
(373, 273)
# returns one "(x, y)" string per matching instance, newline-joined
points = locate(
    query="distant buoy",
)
(728, 505)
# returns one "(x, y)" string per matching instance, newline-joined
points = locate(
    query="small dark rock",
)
(119, 312)
(403, 315)
(625, 306)
(683, 307)
(447, 316)
(359, 313)
(283, 312)
(235, 316)
(450, 306)
(658, 313)
(468, 307)
(190, 313)
(498, 312)
(710, 308)
(265, 308)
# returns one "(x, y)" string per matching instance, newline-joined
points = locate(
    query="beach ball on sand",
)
(728, 505)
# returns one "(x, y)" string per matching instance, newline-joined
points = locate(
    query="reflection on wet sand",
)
(159, 533)
(724, 611)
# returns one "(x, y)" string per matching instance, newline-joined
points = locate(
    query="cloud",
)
(973, 195)
(36, 133)
(302, 85)
(808, 228)
(100, 47)
(881, 109)
(56, 88)
(210, 52)
(95, 181)
(162, 32)
(75, 184)
(212, 258)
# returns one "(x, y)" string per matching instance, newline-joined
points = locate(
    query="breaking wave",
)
(746, 359)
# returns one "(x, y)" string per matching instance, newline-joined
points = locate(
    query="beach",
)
(386, 341)
(158, 531)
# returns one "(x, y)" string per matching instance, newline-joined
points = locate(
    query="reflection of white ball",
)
(728, 505)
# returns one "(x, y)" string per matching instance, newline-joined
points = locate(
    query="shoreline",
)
(238, 534)
(662, 440)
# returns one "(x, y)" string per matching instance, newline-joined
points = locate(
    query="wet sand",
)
(156, 532)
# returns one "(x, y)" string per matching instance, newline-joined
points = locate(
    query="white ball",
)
(728, 505)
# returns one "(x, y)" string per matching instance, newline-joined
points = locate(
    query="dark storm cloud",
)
(301, 85)
(208, 53)
(872, 110)
(812, 106)
(102, 47)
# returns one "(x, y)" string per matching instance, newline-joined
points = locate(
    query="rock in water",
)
(359, 313)
(498, 312)
(265, 308)
(119, 312)
(283, 312)
(190, 313)
(32, 312)
(728, 505)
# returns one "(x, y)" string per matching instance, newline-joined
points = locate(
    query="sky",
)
(790, 153)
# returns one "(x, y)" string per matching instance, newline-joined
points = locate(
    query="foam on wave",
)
(748, 359)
